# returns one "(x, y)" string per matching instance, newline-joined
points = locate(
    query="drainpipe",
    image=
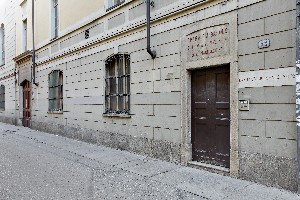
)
(151, 52)
(33, 48)
(298, 89)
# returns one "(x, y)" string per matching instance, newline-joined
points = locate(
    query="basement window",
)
(2, 97)
(111, 4)
(55, 80)
(117, 85)
(87, 34)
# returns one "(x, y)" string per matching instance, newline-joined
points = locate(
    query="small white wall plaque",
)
(264, 44)
(244, 105)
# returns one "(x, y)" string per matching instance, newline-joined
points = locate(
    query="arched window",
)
(2, 97)
(55, 81)
(117, 84)
(2, 45)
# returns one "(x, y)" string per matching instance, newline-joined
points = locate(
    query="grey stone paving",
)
(37, 165)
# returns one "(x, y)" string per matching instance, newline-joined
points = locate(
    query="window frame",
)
(117, 85)
(54, 18)
(25, 32)
(113, 5)
(2, 43)
(55, 96)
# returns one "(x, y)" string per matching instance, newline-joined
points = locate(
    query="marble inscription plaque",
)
(208, 43)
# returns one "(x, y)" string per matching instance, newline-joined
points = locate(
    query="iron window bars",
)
(2, 97)
(117, 84)
(55, 80)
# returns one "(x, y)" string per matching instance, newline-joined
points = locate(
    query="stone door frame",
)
(187, 66)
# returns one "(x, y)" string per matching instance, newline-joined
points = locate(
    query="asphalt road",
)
(37, 165)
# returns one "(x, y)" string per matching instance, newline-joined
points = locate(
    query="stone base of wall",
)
(8, 120)
(162, 150)
(269, 170)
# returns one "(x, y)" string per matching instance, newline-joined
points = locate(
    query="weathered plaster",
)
(298, 90)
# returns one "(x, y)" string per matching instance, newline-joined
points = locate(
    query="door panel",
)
(26, 104)
(211, 116)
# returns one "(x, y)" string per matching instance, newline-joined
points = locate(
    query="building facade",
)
(219, 94)
(8, 93)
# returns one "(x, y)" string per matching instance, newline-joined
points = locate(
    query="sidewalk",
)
(32, 160)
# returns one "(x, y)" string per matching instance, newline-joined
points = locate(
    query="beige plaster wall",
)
(72, 11)
(23, 11)
(42, 20)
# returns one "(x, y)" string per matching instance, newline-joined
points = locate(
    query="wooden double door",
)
(26, 104)
(211, 116)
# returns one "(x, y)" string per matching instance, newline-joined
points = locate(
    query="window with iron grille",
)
(2, 97)
(113, 3)
(117, 84)
(87, 34)
(55, 81)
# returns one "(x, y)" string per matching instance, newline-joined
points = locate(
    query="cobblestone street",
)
(37, 165)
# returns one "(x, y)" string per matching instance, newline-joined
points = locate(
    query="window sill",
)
(21, 2)
(54, 38)
(55, 112)
(116, 115)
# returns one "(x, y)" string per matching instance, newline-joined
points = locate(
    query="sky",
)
(2, 9)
